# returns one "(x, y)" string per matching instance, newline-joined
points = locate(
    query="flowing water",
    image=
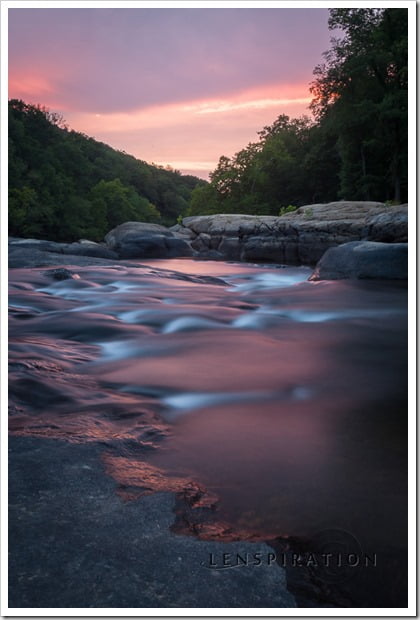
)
(285, 399)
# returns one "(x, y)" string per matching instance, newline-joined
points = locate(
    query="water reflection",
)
(286, 399)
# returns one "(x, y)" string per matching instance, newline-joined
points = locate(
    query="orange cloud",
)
(23, 86)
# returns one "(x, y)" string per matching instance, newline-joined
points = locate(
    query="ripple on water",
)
(187, 402)
(191, 323)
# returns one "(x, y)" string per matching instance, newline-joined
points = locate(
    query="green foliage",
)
(64, 185)
(360, 98)
(22, 206)
(204, 201)
(115, 203)
(309, 213)
(288, 209)
(284, 167)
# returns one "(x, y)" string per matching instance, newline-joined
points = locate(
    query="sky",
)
(171, 86)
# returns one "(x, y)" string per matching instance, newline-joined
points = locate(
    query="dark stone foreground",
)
(74, 543)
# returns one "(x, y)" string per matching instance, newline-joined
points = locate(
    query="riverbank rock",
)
(21, 256)
(301, 237)
(143, 240)
(364, 259)
(298, 238)
(74, 543)
(81, 248)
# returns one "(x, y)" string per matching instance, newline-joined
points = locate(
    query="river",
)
(283, 400)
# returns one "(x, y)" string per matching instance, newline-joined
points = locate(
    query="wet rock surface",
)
(74, 543)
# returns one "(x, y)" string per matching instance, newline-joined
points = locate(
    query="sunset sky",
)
(177, 86)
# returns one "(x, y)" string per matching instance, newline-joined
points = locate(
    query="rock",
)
(209, 255)
(230, 248)
(37, 244)
(143, 240)
(61, 274)
(136, 247)
(176, 247)
(182, 231)
(390, 226)
(364, 259)
(73, 542)
(89, 249)
(300, 237)
(85, 248)
(338, 210)
(201, 243)
(117, 235)
(269, 248)
(21, 257)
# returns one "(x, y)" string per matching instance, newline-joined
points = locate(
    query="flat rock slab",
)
(84, 248)
(21, 256)
(74, 543)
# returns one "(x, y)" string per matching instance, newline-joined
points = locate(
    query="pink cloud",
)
(172, 86)
(192, 135)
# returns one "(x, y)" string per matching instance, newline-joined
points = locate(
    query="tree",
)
(114, 203)
(204, 201)
(360, 94)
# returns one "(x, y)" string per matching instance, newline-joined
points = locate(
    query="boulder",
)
(118, 234)
(61, 273)
(143, 240)
(174, 246)
(364, 259)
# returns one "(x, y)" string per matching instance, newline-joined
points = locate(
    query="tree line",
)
(354, 148)
(64, 185)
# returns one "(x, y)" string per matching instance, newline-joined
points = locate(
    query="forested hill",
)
(354, 148)
(64, 185)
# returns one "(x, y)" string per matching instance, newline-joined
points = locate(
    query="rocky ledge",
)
(301, 237)
(74, 543)
(298, 238)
